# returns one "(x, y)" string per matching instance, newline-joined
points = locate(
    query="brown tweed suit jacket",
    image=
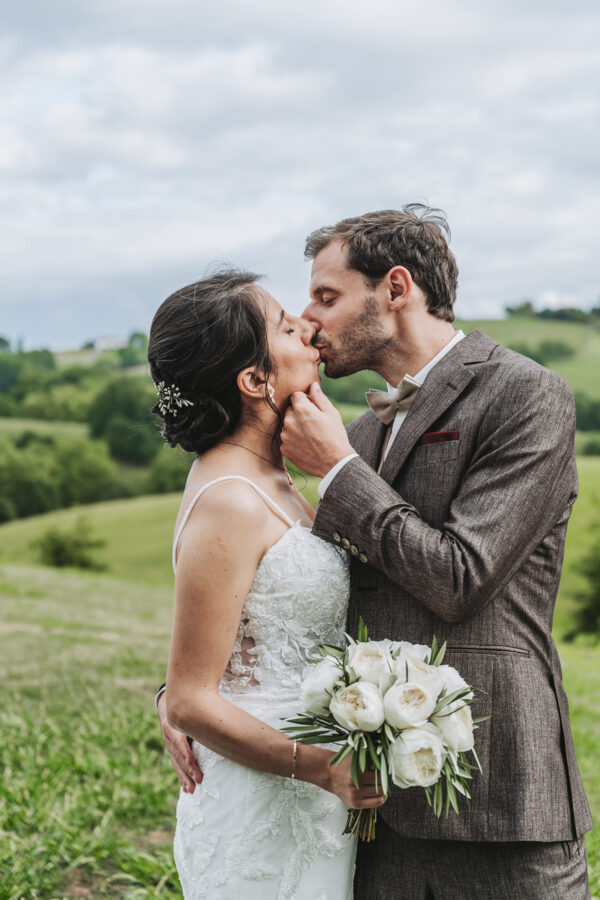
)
(464, 539)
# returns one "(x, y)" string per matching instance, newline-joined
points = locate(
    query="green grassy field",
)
(87, 802)
(581, 372)
(87, 799)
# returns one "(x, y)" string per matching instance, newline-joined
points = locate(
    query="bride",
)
(255, 594)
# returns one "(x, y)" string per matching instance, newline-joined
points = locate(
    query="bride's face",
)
(295, 360)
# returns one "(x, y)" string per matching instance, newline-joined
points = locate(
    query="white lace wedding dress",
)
(249, 835)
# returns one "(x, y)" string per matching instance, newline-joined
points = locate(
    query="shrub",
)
(27, 479)
(526, 350)
(133, 443)
(8, 509)
(555, 350)
(44, 473)
(70, 546)
(588, 412)
(62, 402)
(85, 473)
(169, 471)
(591, 447)
(587, 616)
(352, 388)
(129, 397)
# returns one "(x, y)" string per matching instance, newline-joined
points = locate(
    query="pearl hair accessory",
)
(170, 399)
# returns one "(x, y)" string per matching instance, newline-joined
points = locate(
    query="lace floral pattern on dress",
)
(280, 629)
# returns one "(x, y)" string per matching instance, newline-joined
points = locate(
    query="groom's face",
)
(346, 310)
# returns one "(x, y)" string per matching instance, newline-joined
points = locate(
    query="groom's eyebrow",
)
(281, 317)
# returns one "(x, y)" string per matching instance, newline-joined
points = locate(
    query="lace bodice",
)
(298, 600)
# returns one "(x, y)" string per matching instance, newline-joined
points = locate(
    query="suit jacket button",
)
(353, 550)
(363, 558)
(345, 543)
(337, 537)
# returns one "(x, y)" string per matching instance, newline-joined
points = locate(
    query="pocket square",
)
(438, 437)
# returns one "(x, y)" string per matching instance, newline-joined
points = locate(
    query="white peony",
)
(358, 706)
(456, 726)
(413, 669)
(408, 705)
(407, 649)
(417, 757)
(368, 661)
(453, 680)
(318, 686)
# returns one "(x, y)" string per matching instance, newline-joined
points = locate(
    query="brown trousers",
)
(398, 868)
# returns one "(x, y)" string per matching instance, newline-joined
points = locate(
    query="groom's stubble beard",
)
(362, 346)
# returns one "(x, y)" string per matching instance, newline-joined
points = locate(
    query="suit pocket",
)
(488, 648)
(435, 454)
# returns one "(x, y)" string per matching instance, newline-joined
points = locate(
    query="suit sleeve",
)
(519, 482)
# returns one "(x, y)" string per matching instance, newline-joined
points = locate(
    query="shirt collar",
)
(424, 372)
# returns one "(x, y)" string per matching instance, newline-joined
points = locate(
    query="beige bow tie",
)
(385, 404)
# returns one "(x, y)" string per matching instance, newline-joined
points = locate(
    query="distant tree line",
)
(563, 314)
(546, 352)
(112, 395)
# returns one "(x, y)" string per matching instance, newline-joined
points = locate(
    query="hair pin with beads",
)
(170, 399)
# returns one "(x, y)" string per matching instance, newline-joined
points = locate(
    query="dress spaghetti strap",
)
(268, 500)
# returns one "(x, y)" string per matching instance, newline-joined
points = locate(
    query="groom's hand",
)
(313, 436)
(179, 749)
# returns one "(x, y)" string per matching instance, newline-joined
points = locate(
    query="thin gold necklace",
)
(260, 456)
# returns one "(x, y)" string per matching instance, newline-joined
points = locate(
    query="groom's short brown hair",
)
(414, 237)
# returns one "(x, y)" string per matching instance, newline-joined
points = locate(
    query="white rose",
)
(456, 726)
(453, 680)
(358, 706)
(318, 686)
(408, 705)
(417, 757)
(368, 661)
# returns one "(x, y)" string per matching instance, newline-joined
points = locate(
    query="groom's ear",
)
(400, 286)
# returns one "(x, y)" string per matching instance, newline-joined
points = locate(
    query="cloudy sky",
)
(142, 141)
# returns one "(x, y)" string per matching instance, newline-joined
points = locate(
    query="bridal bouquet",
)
(398, 710)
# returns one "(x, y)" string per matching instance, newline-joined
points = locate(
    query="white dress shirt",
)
(398, 420)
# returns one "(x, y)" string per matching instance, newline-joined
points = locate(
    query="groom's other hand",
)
(313, 436)
(179, 749)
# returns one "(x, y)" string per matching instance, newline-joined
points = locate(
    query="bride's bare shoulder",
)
(224, 497)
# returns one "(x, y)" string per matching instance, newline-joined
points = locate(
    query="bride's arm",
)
(219, 552)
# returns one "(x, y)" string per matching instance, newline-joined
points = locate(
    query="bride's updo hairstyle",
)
(201, 337)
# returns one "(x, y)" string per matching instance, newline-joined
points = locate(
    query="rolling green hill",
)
(138, 535)
(581, 371)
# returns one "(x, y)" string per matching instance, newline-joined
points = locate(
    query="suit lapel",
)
(444, 384)
(366, 436)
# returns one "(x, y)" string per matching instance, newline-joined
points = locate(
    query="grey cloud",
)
(137, 147)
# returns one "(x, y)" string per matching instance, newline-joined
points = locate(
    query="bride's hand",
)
(180, 751)
(341, 784)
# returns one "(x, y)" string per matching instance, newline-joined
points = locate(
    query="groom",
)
(452, 498)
